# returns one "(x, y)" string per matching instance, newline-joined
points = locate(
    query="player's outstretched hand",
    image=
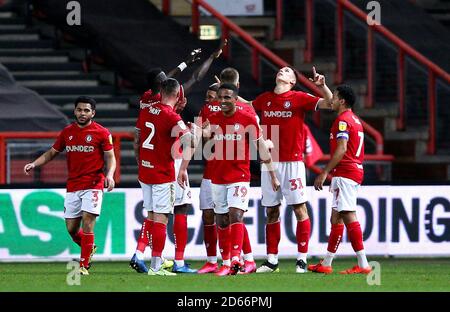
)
(193, 56)
(219, 51)
(182, 179)
(110, 183)
(318, 79)
(28, 167)
(318, 182)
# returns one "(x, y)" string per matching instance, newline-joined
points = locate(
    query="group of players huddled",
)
(227, 129)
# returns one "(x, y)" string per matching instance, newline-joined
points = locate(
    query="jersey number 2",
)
(146, 143)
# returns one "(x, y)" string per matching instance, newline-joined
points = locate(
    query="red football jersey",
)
(207, 110)
(282, 118)
(347, 126)
(84, 148)
(159, 128)
(232, 137)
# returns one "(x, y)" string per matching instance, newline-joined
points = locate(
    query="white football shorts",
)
(206, 197)
(158, 198)
(182, 196)
(345, 192)
(235, 195)
(292, 177)
(86, 200)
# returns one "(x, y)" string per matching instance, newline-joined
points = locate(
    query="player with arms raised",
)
(282, 116)
(345, 165)
(88, 146)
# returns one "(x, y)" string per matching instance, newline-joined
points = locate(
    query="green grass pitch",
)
(424, 274)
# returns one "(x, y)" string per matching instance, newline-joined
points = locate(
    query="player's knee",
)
(208, 217)
(300, 211)
(273, 215)
(236, 215)
(222, 220)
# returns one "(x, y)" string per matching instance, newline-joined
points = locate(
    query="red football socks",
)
(355, 235)
(302, 235)
(159, 238)
(237, 239)
(144, 235)
(180, 235)
(210, 238)
(246, 246)
(223, 235)
(337, 230)
(273, 236)
(87, 241)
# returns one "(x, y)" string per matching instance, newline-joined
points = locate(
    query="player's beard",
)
(83, 123)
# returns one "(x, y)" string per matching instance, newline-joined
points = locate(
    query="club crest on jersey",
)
(88, 138)
(70, 137)
(268, 103)
(342, 126)
(236, 127)
(287, 104)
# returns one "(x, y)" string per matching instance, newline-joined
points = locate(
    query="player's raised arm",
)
(41, 160)
(201, 71)
(192, 58)
(327, 95)
(110, 164)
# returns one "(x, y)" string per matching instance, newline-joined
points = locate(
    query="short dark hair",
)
(155, 77)
(170, 86)
(229, 86)
(86, 99)
(229, 75)
(345, 92)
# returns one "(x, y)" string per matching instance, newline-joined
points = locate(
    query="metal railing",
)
(5, 136)
(403, 50)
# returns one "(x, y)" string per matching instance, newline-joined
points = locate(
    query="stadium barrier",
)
(396, 221)
(20, 148)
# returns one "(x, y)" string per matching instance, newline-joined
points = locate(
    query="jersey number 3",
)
(146, 143)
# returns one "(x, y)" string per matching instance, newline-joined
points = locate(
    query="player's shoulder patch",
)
(342, 125)
(110, 139)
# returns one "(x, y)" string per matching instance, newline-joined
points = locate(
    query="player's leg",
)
(72, 215)
(337, 230)
(346, 206)
(91, 205)
(180, 233)
(237, 198)
(163, 197)
(74, 229)
(209, 227)
(249, 262)
(137, 261)
(223, 226)
(180, 229)
(294, 190)
(271, 200)
(302, 235)
(236, 238)
(210, 238)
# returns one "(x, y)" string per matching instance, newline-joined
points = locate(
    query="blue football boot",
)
(184, 269)
(138, 265)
